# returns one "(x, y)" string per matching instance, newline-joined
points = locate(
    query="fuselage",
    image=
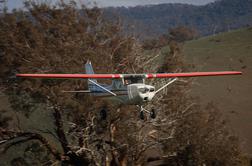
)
(140, 93)
(132, 94)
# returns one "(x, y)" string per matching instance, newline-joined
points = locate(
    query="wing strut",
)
(93, 82)
(169, 83)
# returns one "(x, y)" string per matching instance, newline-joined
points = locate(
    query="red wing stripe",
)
(84, 76)
(118, 76)
(194, 74)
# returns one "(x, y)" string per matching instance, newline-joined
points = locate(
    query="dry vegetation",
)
(59, 40)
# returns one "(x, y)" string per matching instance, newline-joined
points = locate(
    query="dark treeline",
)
(154, 20)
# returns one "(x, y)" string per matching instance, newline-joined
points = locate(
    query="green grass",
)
(231, 94)
(235, 45)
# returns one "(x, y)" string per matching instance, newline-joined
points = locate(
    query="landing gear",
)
(141, 115)
(152, 113)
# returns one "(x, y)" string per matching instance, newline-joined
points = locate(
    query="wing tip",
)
(25, 75)
(19, 75)
(236, 72)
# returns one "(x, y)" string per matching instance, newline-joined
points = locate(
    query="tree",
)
(59, 39)
(182, 34)
(3, 7)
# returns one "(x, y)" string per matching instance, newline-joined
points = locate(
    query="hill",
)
(152, 20)
(226, 51)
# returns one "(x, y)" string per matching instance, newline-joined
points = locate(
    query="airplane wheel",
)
(142, 115)
(103, 114)
(153, 114)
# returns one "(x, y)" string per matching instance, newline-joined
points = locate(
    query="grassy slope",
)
(232, 95)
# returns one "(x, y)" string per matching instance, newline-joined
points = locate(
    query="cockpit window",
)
(128, 81)
(143, 90)
(152, 89)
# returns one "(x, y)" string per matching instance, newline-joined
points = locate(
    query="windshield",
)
(143, 90)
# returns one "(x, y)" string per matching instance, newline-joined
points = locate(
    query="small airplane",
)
(127, 89)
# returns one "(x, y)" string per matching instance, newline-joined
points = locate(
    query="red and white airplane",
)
(129, 89)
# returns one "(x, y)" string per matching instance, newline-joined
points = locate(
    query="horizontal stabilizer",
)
(78, 91)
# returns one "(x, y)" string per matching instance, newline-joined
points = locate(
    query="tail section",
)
(89, 70)
(93, 85)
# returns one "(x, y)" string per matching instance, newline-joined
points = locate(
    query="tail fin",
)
(89, 70)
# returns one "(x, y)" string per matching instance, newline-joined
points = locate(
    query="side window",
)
(152, 89)
(127, 82)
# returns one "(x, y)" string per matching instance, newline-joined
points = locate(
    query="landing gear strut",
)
(141, 115)
(152, 113)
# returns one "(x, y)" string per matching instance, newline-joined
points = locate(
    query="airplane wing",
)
(84, 76)
(118, 76)
(193, 74)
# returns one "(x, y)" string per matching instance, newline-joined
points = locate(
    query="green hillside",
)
(154, 20)
(232, 95)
